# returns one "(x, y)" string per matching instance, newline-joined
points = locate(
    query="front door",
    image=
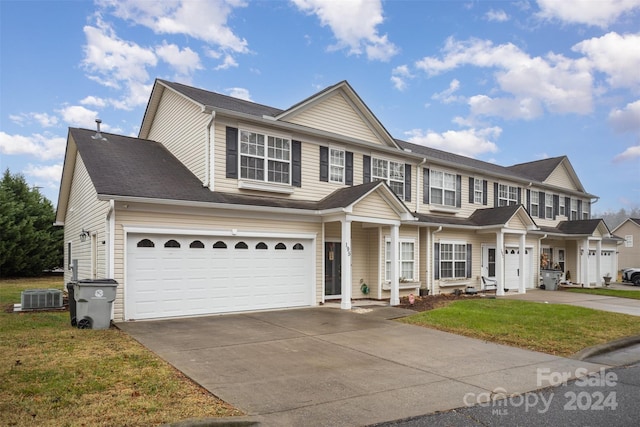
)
(332, 269)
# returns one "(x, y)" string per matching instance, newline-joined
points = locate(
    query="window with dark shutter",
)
(348, 178)
(542, 204)
(232, 152)
(496, 195)
(407, 182)
(556, 205)
(458, 191)
(485, 192)
(469, 258)
(366, 169)
(296, 163)
(436, 261)
(425, 186)
(324, 164)
(472, 186)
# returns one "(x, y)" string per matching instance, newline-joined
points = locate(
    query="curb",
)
(216, 422)
(599, 349)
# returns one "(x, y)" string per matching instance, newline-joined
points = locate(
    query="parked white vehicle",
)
(631, 275)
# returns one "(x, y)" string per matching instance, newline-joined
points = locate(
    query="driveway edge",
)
(606, 347)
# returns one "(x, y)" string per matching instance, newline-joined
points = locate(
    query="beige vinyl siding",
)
(181, 127)
(361, 260)
(200, 221)
(85, 211)
(560, 177)
(629, 257)
(335, 114)
(374, 206)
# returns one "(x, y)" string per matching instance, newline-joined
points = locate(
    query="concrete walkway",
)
(325, 366)
(597, 302)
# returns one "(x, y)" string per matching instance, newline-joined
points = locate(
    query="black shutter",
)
(366, 169)
(496, 196)
(348, 170)
(407, 182)
(296, 164)
(436, 261)
(458, 191)
(324, 164)
(472, 190)
(567, 207)
(529, 201)
(485, 192)
(542, 200)
(425, 186)
(519, 195)
(232, 152)
(556, 206)
(469, 257)
(579, 216)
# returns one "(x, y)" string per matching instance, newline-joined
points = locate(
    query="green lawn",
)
(54, 374)
(620, 293)
(550, 328)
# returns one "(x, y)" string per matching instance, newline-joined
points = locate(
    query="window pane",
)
(449, 181)
(398, 188)
(278, 172)
(446, 269)
(396, 171)
(446, 251)
(461, 269)
(436, 179)
(406, 270)
(436, 196)
(450, 198)
(252, 168)
(379, 169)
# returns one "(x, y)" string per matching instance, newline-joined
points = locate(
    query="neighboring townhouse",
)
(224, 205)
(629, 249)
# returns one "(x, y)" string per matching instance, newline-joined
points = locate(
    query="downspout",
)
(208, 153)
(431, 284)
(111, 226)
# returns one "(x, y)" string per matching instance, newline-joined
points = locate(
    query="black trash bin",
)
(72, 304)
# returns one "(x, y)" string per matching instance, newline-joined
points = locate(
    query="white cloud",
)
(77, 115)
(354, 24)
(114, 63)
(508, 108)
(589, 12)
(560, 84)
(447, 96)
(399, 77)
(42, 146)
(616, 55)
(626, 119)
(50, 174)
(202, 20)
(496, 16)
(184, 61)
(93, 101)
(469, 142)
(238, 92)
(228, 62)
(43, 119)
(630, 153)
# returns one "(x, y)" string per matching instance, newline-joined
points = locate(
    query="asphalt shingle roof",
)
(538, 170)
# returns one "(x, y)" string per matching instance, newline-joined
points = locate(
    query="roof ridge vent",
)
(98, 135)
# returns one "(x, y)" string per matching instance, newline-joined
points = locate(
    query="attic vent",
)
(31, 299)
(98, 135)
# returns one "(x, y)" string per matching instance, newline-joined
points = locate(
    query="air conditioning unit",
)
(33, 299)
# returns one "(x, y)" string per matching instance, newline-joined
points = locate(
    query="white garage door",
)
(512, 270)
(607, 259)
(171, 276)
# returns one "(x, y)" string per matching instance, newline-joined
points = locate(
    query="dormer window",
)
(265, 158)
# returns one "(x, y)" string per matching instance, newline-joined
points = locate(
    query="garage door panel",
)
(181, 281)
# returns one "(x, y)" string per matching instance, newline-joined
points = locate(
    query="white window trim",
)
(443, 189)
(400, 260)
(453, 261)
(478, 194)
(265, 158)
(343, 167)
(562, 211)
(388, 178)
(548, 206)
(535, 202)
(508, 198)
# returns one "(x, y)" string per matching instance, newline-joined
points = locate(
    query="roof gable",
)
(556, 171)
(631, 221)
(585, 227)
(338, 109)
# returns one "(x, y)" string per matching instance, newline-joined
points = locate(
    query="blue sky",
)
(502, 81)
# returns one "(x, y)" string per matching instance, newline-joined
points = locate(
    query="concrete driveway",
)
(325, 366)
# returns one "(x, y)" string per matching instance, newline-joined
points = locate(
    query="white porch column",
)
(584, 264)
(394, 274)
(598, 263)
(499, 263)
(345, 276)
(521, 266)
